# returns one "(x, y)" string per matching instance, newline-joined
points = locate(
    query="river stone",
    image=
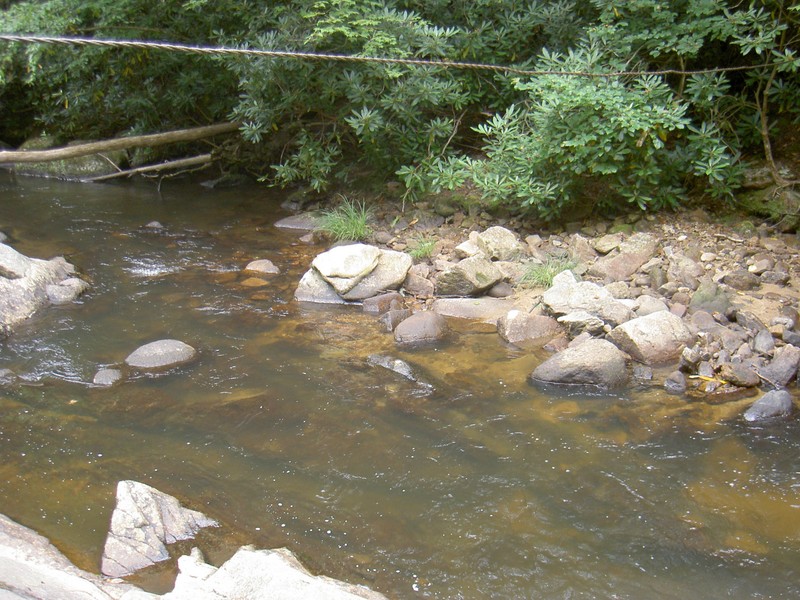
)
(344, 266)
(675, 383)
(773, 404)
(421, 327)
(262, 266)
(143, 522)
(259, 575)
(13, 265)
(685, 271)
(308, 221)
(313, 288)
(388, 274)
(739, 374)
(741, 279)
(484, 309)
(595, 362)
(23, 285)
(568, 295)
(606, 243)
(783, 367)
(160, 355)
(521, 328)
(66, 291)
(709, 297)
(377, 305)
(580, 321)
(654, 339)
(468, 277)
(633, 253)
(499, 243)
(107, 377)
(647, 305)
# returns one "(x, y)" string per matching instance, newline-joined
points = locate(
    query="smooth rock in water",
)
(521, 328)
(773, 404)
(393, 317)
(499, 243)
(107, 377)
(421, 328)
(468, 277)
(161, 355)
(302, 222)
(568, 295)
(675, 383)
(380, 304)
(262, 266)
(654, 339)
(397, 365)
(313, 288)
(783, 367)
(595, 362)
(388, 274)
(259, 575)
(66, 291)
(344, 266)
(143, 522)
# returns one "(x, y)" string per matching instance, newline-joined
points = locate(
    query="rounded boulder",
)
(161, 354)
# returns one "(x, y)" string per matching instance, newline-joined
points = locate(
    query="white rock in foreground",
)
(143, 521)
(259, 575)
(654, 339)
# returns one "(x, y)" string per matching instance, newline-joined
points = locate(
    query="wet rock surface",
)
(161, 354)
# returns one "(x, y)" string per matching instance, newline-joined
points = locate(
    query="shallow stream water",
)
(477, 486)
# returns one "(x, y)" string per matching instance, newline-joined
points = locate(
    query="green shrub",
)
(348, 221)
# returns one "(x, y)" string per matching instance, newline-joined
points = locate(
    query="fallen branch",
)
(136, 141)
(202, 159)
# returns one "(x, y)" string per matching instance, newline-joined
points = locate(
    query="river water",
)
(477, 486)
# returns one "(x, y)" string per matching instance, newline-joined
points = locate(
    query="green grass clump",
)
(541, 275)
(422, 248)
(348, 221)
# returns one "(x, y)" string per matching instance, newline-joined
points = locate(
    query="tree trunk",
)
(137, 141)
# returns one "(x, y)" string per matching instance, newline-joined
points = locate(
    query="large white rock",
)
(389, 274)
(499, 243)
(344, 266)
(568, 295)
(143, 522)
(313, 288)
(31, 568)
(259, 575)
(654, 339)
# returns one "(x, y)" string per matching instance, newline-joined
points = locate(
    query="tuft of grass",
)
(349, 221)
(422, 248)
(541, 275)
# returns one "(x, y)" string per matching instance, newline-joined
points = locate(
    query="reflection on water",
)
(285, 432)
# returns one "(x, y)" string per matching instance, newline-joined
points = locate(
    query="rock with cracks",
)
(654, 339)
(143, 522)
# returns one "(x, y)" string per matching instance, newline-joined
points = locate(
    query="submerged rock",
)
(161, 354)
(143, 522)
(421, 328)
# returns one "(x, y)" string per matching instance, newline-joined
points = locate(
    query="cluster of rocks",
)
(143, 522)
(701, 311)
(29, 284)
(154, 357)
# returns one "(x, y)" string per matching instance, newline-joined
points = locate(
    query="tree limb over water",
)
(124, 143)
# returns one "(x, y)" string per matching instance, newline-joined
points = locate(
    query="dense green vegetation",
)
(538, 143)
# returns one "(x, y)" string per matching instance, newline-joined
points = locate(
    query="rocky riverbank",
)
(701, 308)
